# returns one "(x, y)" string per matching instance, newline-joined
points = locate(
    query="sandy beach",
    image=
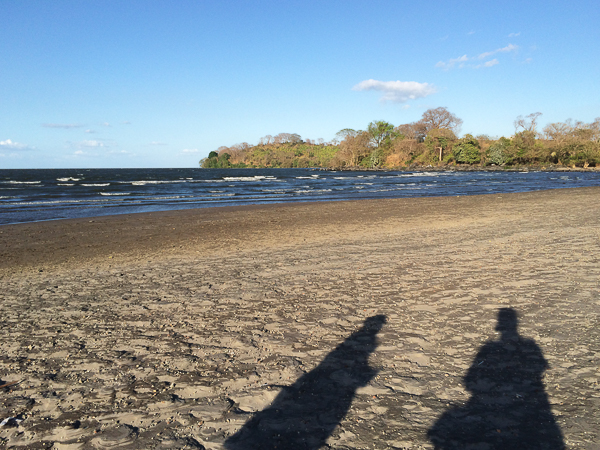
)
(456, 322)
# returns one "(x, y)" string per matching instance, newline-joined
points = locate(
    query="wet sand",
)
(347, 325)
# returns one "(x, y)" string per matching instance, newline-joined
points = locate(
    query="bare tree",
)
(527, 123)
(438, 118)
(342, 134)
(408, 130)
(295, 138)
(282, 138)
(354, 148)
(558, 131)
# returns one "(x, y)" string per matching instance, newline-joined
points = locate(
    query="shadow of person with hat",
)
(509, 408)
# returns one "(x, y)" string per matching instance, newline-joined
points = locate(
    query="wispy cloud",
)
(157, 143)
(126, 122)
(61, 125)
(90, 131)
(105, 124)
(188, 151)
(489, 63)
(452, 62)
(508, 48)
(514, 34)
(397, 91)
(466, 61)
(471, 33)
(119, 152)
(97, 149)
(10, 145)
(91, 144)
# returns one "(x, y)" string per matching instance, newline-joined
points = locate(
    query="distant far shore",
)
(465, 168)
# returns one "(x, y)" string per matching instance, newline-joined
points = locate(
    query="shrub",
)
(498, 153)
(466, 150)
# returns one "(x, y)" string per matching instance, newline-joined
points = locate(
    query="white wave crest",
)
(144, 182)
(21, 182)
(420, 174)
(255, 178)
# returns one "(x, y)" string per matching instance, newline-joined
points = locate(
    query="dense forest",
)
(431, 141)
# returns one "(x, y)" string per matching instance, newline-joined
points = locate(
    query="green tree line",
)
(433, 140)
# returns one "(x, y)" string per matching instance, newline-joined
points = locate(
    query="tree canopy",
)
(432, 140)
(381, 133)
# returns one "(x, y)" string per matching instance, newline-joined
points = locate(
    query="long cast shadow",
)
(508, 408)
(305, 414)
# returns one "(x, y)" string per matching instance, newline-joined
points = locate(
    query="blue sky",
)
(162, 83)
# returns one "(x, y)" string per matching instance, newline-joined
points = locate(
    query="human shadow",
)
(508, 408)
(305, 414)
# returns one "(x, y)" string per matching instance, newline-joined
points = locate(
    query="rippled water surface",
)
(34, 195)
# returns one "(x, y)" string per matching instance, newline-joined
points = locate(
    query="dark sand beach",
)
(457, 322)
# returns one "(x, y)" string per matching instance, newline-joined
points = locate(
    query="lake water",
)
(48, 194)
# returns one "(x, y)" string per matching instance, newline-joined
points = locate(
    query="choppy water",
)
(35, 195)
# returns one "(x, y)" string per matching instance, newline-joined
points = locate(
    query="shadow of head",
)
(305, 414)
(507, 320)
(374, 323)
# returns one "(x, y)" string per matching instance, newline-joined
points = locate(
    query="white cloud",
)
(463, 60)
(489, 63)
(106, 124)
(485, 55)
(9, 144)
(61, 125)
(452, 62)
(188, 151)
(91, 144)
(90, 131)
(514, 34)
(397, 91)
(508, 48)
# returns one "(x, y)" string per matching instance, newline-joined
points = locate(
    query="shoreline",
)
(411, 168)
(176, 329)
(43, 195)
(468, 168)
(67, 241)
